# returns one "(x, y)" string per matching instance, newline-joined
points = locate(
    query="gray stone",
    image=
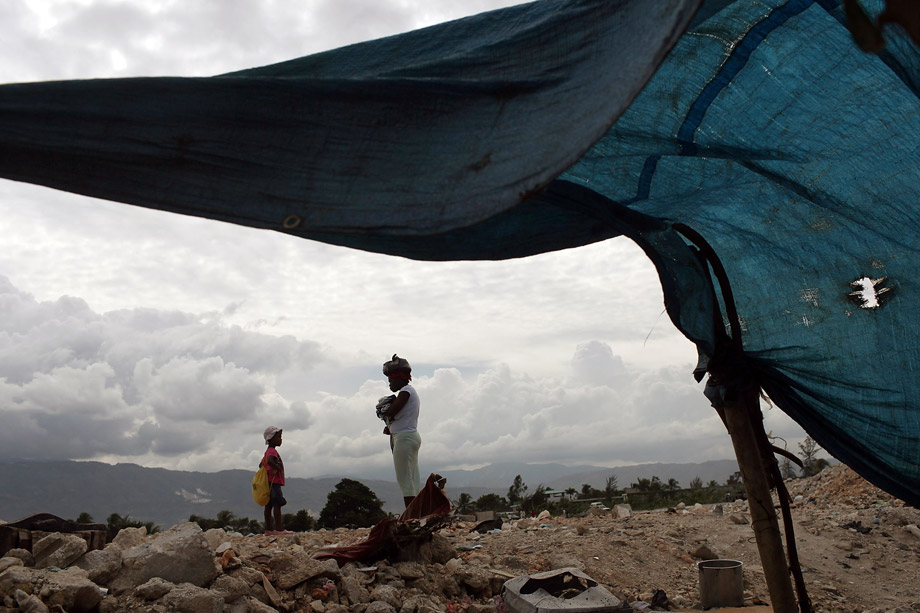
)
(622, 511)
(109, 604)
(101, 565)
(7, 562)
(153, 589)
(130, 537)
(230, 588)
(418, 604)
(29, 603)
(256, 606)
(387, 594)
(72, 590)
(22, 554)
(475, 578)
(704, 553)
(290, 569)
(739, 518)
(179, 555)
(273, 597)
(438, 550)
(447, 586)
(216, 537)
(188, 598)
(223, 547)
(351, 589)
(410, 570)
(17, 578)
(57, 549)
(240, 605)
(378, 606)
(250, 575)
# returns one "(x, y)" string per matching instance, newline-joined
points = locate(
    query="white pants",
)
(405, 447)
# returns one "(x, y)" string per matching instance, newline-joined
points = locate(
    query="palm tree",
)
(464, 503)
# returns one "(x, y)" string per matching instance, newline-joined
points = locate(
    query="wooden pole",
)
(736, 397)
(737, 419)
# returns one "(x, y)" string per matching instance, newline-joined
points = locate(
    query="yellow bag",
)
(261, 488)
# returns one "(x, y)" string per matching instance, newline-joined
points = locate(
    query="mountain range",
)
(166, 497)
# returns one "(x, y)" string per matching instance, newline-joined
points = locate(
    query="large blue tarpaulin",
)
(756, 126)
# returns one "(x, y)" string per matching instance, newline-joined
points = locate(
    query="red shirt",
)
(274, 476)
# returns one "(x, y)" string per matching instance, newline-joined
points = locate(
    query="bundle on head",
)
(396, 364)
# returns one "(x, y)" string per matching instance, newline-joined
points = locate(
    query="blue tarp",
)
(764, 130)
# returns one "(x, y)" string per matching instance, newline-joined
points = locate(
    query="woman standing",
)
(402, 420)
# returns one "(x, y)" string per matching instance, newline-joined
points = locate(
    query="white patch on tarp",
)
(869, 291)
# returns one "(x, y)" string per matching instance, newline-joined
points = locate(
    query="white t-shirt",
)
(407, 418)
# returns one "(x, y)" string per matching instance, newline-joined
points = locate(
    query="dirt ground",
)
(858, 546)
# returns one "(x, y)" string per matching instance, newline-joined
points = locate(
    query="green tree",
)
(696, 483)
(734, 479)
(673, 484)
(534, 501)
(491, 502)
(351, 504)
(786, 469)
(588, 491)
(226, 520)
(610, 487)
(516, 491)
(712, 483)
(820, 464)
(464, 504)
(84, 518)
(299, 522)
(811, 465)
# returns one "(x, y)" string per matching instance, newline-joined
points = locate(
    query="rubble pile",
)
(184, 569)
(840, 485)
(859, 548)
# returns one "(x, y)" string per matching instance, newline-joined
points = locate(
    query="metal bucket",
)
(721, 583)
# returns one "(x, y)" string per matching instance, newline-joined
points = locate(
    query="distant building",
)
(556, 495)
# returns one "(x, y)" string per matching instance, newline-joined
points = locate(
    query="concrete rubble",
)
(646, 559)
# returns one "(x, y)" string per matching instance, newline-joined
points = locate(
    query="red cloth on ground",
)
(430, 501)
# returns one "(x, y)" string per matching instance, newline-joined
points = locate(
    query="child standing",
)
(275, 468)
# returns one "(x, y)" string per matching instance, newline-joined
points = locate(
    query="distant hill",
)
(167, 497)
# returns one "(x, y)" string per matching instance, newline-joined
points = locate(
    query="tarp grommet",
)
(291, 221)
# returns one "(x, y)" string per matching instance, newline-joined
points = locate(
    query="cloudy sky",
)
(132, 335)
